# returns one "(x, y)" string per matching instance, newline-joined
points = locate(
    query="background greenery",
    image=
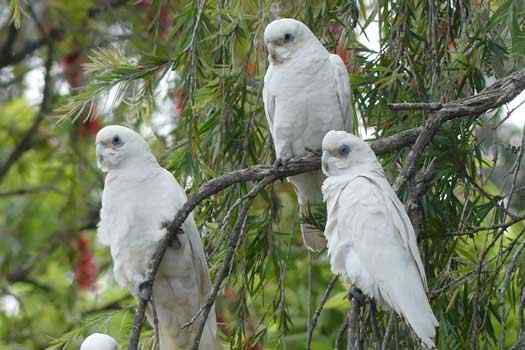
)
(189, 75)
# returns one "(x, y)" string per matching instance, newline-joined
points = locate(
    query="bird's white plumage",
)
(139, 196)
(370, 238)
(99, 341)
(306, 93)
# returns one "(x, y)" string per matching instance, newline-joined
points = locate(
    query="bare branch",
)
(9, 58)
(502, 91)
(390, 324)
(354, 318)
(28, 191)
(237, 236)
(499, 93)
(26, 141)
(317, 314)
(415, 106)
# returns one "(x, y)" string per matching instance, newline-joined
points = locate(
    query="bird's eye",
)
(344, 150)
(116, 141)
(288, 37)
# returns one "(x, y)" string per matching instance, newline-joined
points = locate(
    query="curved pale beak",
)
(324, 162)
(99, 150)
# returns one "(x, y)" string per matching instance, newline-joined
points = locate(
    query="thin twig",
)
(472, 230)
(510, 269)
(384, 344)
(28, 191)
(374, 322)
(354, 318)
(155, 322)
(26, 140)
(236, 237)
(317, 313)
(340, 334)
(415, 106)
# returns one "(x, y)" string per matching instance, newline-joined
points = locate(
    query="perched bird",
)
(370, 238)
(99, 341)
(139, 196)
(306, 93)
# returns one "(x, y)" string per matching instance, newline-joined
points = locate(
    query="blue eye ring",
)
(116, 141)
(288, 37)
(344, 150)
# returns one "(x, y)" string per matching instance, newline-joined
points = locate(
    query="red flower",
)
(179, 99)
(85, 267)
(90, 127)
(72, 68)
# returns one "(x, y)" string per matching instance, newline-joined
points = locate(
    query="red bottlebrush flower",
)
(72, 68)
(85, 267)
(250, 69)
(335, 29)
(344, 53)
(90, 127)
(144, 3)
(165, 19)
(179, 100)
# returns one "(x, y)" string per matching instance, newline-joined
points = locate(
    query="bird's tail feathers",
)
(414, 307)
(313, 238)
(209, 335)
(310, 198)
(209, 338)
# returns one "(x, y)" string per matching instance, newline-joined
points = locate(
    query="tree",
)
(188, 75)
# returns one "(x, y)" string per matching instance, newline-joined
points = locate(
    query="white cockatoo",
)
(306, 93)
(370, 238)
(139, 196)
(99, 341)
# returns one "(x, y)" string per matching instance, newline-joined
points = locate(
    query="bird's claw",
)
(356, 294)
(280, 163)
(145, 290)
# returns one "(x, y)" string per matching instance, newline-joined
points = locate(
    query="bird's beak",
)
(99, 149)
(272, 52)
(324, 162)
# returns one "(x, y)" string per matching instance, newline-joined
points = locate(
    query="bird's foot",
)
(280, 163)
(145, 290)
(355, 294)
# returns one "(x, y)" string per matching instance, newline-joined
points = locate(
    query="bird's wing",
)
(113, 224)
(183, 281)
(176, 197)
(268, 99)
(405, 228)
(373, 225)
(377, 258)
(344, 94)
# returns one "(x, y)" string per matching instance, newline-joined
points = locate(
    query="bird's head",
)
(99, 341)
(342, 151)
(119, 147)
(285, 37)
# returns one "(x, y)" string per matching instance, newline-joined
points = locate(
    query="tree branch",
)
(8, 57)
(239, 231)
(317, 314)
(26, 142)
(354, 318)
(502, 91)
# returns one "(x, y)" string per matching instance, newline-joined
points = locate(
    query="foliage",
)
(189, 76)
